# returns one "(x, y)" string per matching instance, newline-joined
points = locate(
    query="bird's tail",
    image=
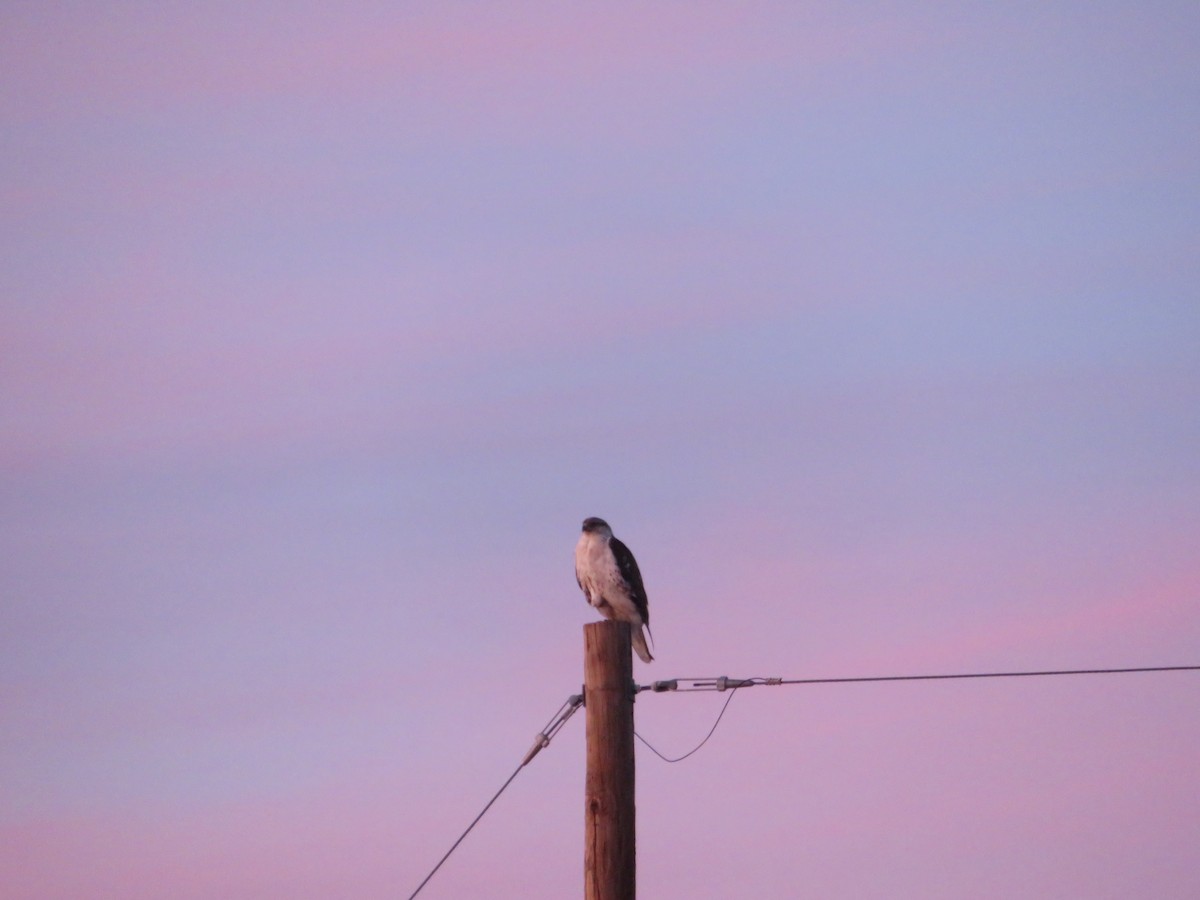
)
(639, 644)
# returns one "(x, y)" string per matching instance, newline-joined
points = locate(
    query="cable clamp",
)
(541, 741)
(725, 683)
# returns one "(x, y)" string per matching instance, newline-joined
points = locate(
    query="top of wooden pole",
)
(603, 643)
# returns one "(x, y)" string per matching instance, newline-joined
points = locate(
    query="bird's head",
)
(592, 525)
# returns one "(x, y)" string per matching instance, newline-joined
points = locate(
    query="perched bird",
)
(609, 578)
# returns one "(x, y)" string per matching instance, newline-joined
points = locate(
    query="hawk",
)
(609, 578)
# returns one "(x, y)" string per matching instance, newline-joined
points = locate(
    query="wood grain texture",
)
(610, 870)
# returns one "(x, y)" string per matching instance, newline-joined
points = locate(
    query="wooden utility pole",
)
(609, 858)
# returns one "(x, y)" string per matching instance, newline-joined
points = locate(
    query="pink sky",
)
(871, 330)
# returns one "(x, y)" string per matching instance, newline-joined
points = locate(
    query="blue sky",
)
(871, 329)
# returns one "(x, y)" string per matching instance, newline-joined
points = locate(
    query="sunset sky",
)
(872, 328)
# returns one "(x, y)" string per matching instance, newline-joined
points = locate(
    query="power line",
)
(724, 682)
(557, 721)
(454, 846)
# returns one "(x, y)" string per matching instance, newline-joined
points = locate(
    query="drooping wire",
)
(724, 706)
(557, 721)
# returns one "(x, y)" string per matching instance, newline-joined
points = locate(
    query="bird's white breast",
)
(601, 580)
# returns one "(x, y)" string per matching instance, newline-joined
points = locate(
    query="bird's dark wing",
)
(633, 578)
